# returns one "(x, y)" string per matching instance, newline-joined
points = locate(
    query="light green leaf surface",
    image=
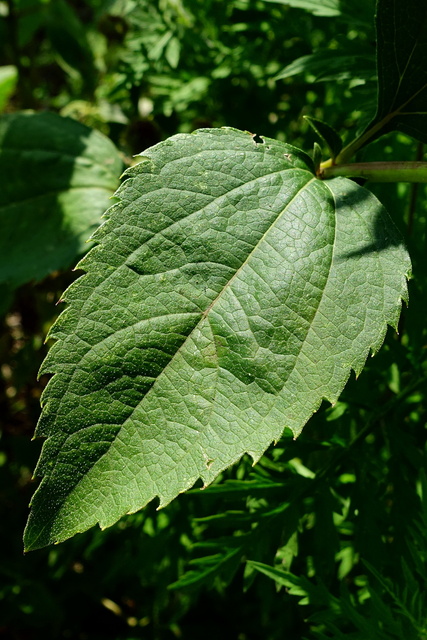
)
(230, 293)
(358, 13)
(327, 8)
(8, 80)
(402, 68)
(282, 578)
(57, 179)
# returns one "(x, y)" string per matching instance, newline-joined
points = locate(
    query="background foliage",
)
(325, 537)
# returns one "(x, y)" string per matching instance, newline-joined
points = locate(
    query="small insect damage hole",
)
(257, 138)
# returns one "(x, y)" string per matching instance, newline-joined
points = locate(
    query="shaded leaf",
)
(296, 586)
(329, 64)
(327, 134)
(241, 488)
(57, 179)
(230, 293)
(207, 568)
(402, 69)
(67, 35)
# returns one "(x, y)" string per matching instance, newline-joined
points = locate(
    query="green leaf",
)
(327, 134)
(402, 69)
(67, 35)
(329, 64)
(327, 8)
(241, 488)
(57, 179)
(231, 292)
(172, 53)
(360, 13)
(296, 586)
(282, 578)
(317, 157)
(8, 80)
(207, 568)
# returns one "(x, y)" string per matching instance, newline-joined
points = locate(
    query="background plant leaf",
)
(57, 180)
(328, 8)
(230, 293)
(402, 69)
(327, 134)
(346, 9)
(68, 38)
(328, 65)
(8, 80)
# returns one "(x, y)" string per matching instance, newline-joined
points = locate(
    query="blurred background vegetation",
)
(344, 508)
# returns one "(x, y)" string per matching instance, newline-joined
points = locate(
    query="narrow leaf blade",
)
(344, 9)
(328, 65)
(328, 8)
(327, 134)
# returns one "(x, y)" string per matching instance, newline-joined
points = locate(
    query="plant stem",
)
(349, 151)
(378, 171)
(414, 192)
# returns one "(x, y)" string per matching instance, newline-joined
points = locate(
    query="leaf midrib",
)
(87, 301)
(203, 316)
(188, 217)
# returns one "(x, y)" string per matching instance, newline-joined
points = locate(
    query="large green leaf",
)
(402, 68)
(57, 179)
(230, 293)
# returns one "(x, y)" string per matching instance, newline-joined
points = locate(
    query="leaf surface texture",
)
(230, 292)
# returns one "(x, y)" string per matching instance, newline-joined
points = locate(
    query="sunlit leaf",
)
(8, 80)
(231, 292)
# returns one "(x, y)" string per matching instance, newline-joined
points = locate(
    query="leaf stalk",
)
(378, 171)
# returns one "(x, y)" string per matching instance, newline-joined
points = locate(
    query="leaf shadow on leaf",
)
(383, 233)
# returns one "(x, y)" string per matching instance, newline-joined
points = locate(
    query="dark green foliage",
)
(402, 70)
(327, 134)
